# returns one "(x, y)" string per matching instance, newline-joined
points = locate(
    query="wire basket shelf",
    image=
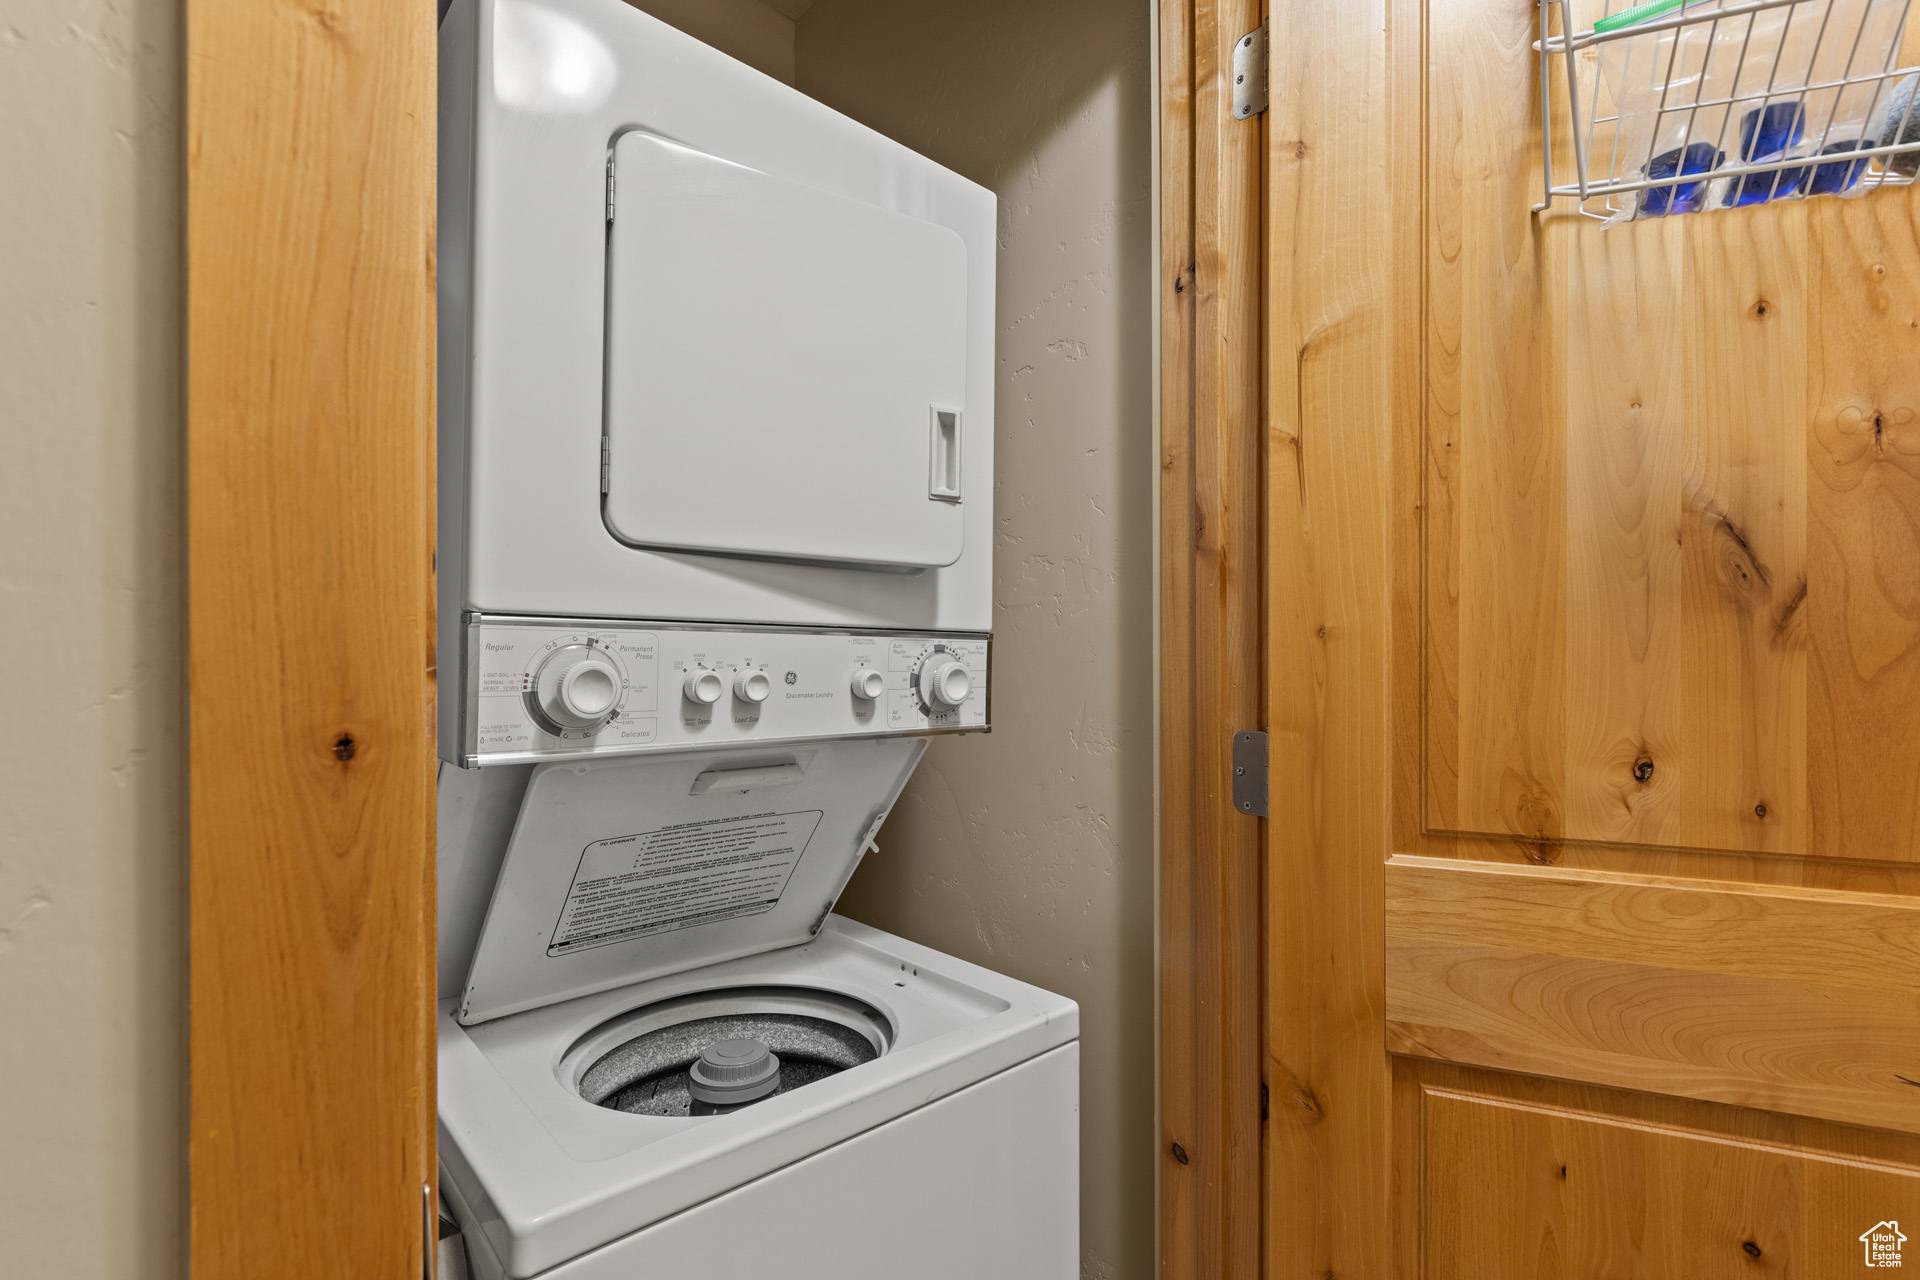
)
(1682, 106)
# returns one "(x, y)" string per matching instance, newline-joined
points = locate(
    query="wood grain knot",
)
(1643, 770)
(1760, 812)
(1753, 1250)
(345, 748)
(1179, 1153)
(1761, 308)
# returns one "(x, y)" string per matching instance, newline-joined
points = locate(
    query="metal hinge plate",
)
(1250, 773)
(606, 466)
(610, 185)
(1250, 73)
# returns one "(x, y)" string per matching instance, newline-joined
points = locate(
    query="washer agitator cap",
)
(730, 1072)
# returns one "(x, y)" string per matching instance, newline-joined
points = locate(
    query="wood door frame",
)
(1275, 614)
(310, 474)
(1212, 669)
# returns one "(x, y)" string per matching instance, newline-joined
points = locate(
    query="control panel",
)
(540, 689)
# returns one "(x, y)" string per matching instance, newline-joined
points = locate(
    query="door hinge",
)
(1249, 74)
(1250, 772)
(610, 182)
(606, 466)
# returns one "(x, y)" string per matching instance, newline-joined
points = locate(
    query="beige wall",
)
(1031, 849)
(92, 1035)
(759, 34)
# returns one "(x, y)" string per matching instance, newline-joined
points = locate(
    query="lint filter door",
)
(627, 869)
(785, 368)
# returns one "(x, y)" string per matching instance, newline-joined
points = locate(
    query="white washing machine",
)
(715, 559)
(919, 1116)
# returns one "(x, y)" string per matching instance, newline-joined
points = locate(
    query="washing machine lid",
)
(632, 868)
(786, 367)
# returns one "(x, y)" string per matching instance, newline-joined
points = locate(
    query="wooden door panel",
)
(1742, 535)
(1494, 509)
(1578, 1182)
(1795, 1000)
(1627, 432)
(1863, 590)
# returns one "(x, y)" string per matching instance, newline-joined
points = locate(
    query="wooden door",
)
(1593, 686)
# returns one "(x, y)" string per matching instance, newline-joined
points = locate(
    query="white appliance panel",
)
(809, 692)
(984, 1182)
(786, 367)
(626, 869)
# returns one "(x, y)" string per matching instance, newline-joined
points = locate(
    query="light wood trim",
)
(310, 215)
(1330, 278)
(1787, 999)
(1210, 879)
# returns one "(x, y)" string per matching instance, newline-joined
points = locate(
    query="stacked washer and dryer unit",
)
(715, 561)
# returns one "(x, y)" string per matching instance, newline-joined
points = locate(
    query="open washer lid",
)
(626, 869)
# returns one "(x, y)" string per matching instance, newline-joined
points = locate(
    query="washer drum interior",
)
(640, 1062)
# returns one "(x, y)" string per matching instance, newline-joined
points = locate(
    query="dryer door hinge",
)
(1250, 773)
(606, 466)
(1249, 74)
(610, 179)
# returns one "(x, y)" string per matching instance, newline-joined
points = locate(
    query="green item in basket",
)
(1639, 13)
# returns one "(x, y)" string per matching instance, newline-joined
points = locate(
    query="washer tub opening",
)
(639, 1062)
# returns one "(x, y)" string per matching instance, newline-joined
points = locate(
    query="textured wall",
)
(1031, 849)
(760, 35)
(92, 1044)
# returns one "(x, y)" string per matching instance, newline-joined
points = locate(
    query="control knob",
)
(577, 687)
(704, 686)
(752, 686)
(868, 683)
(944, 682)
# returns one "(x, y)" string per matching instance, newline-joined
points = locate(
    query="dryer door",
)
(785, 368)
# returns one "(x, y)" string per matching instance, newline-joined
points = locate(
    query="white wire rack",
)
(1675, 107)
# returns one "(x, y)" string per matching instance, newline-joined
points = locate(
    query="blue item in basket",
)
(1682, 197)
(1832, 178)
(1765, 135)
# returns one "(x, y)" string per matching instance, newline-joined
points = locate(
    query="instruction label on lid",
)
(690, 874)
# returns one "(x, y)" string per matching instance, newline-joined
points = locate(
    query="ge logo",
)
(793, 677)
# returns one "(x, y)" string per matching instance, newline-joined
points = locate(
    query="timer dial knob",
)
(868, 683)
(704, 686)
(752, 686)
(577, 687)
(944, 682)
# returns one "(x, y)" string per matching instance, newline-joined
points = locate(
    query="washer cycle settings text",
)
(539, 690)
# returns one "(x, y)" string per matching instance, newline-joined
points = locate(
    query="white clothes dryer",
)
(711, 356)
